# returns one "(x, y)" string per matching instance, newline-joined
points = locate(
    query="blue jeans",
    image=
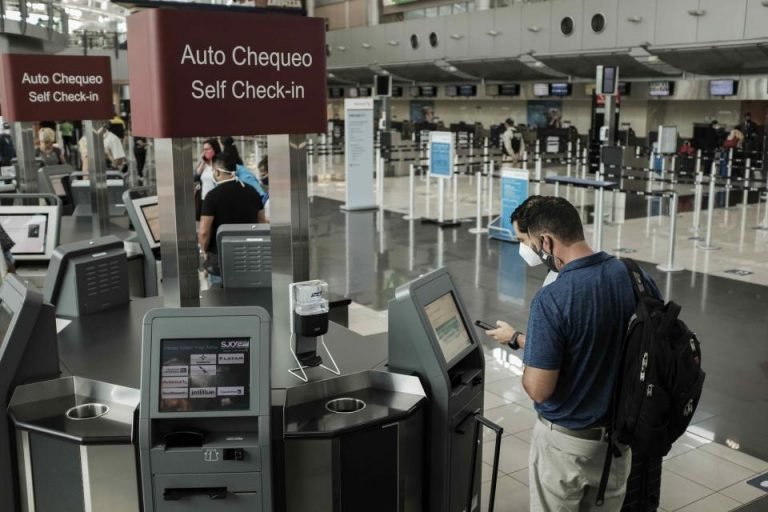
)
(214, 280)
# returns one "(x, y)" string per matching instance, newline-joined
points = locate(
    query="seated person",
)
(230, 202)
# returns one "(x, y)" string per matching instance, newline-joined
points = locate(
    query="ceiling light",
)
(637, 19)
(538, 64)
(367, 46)
(459, 36)
(393, 43)
(493, 33)
(341, 48)
(535, 29)
(452, 69)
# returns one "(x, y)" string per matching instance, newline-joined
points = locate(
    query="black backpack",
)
(660, 379)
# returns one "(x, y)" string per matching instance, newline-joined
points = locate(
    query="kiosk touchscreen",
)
(430, 336)
(28, 353)
(204, 424)
(87, 277)
(144, 213)
(245, 255)
(34, 228)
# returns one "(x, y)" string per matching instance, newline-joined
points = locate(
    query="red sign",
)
(58, 87)
(195, 73)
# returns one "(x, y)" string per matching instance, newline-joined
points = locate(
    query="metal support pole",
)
(746, 184)
(411, 193)
(97, 175)
(584, 163)
(441, 200)
(598, 236)
(568, 159)
(380, 180)
(698, 193)
(764, 225)
(150, 167)
(175, 190)
(455, 197)
(479, 207)
(539, 173)
(428, 206)
(133, 172)
(670, 265)
(26, 169)
(707, 246)
(310, 158)
(729, 175)
(489, 203)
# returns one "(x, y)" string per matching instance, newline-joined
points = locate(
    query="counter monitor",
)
(541, 89)
(448, 326)
(29, 231)
(211, 374)
(149, 219)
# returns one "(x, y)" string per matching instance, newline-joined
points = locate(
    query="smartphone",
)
(484, 325)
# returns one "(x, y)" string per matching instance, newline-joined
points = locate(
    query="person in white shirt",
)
(512, 143)
(113, 150)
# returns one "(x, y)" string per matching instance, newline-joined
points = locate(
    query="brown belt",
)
(590, 434)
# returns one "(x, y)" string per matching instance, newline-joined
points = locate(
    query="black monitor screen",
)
(560, 89)
(210, 374)
(660, 89)
(722, 87)
(509, 90)
(28, 230)
(428, 91)
(467, 90)
(363, 92)
(397, 91)
(383, 85)
(336, 92)
(448, 326)
(625, 88)
(451, 90)
(151, 214)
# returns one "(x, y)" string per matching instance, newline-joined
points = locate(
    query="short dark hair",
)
(225, 161)
(557, 216)
(214, 143)
(521, 213)
(509, 121)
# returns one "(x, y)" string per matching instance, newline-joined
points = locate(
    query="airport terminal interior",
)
(299, 332)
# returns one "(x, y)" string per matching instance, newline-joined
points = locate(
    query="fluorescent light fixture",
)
(393, 43)
(638, 19)
(457, 37)
(367, 46)
(493, 33)
(452, 69)
(535, 29)
(341, 48)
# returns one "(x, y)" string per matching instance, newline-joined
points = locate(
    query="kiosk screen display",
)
(449, 328)
(198, 375)
(29, 231)
(151, 214)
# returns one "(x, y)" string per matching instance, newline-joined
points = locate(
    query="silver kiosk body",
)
(87, 277)
(81, 193)
(430, 335)
(144, 213)
(204, 422)
(245, 255)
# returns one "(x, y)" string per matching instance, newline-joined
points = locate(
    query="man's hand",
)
(503, 332)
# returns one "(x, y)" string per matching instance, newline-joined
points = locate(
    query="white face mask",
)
(529, 255)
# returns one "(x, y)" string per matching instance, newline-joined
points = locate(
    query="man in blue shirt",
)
(572, 353)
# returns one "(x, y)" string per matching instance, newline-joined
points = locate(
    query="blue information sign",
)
(440, 159)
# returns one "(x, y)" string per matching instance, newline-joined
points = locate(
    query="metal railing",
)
(38, 13)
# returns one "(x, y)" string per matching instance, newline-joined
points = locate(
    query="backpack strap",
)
(636, 276)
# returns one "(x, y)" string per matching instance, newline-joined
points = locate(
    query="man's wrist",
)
(513, 342)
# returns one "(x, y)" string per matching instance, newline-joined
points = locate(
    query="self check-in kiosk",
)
(33, 228)
(204, 425)
(245, 255)
(144, 213)
(87, 277)
(430, 336)
(28, 353)
(81, 193)
(54, 179)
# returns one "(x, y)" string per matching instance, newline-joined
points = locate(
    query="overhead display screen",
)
(428, 91)
(451, 91)
(723, 87)
(448, 326)
(560, 89)
(198, 375)
(364, 92)
(509, 90)
(397, 91)
(335, 92)
(467, 90)
(625, 88)
(541, 89)
(661, 89)
(29, 231)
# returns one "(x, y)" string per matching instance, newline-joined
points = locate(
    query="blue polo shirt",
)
(577, 325)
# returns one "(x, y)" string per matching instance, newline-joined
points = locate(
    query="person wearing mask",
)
(231, 202)
(204, 181)
(512, 145)
(504, 332)
(46, 151)
(572, 355)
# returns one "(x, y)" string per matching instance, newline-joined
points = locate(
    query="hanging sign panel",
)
(441, 151)
(255, 74)
(42, 87)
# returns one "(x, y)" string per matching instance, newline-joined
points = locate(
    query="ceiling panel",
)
(357, 75)
(426, 72)
(499, 70)
(719, 60)
(584, 66)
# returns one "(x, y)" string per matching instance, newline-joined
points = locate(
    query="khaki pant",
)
(565, 473)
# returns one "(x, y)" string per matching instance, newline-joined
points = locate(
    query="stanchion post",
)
(746, 184)
(568, 159)
(428, 207)
(707, 246)
(698, 192)
(455, 180)
(584, 163)
(489, 203)
(441, 200)
(411, 193)
(310, 158)
(479, 207)
(598, 235)
(670, 266)
(728, 177)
